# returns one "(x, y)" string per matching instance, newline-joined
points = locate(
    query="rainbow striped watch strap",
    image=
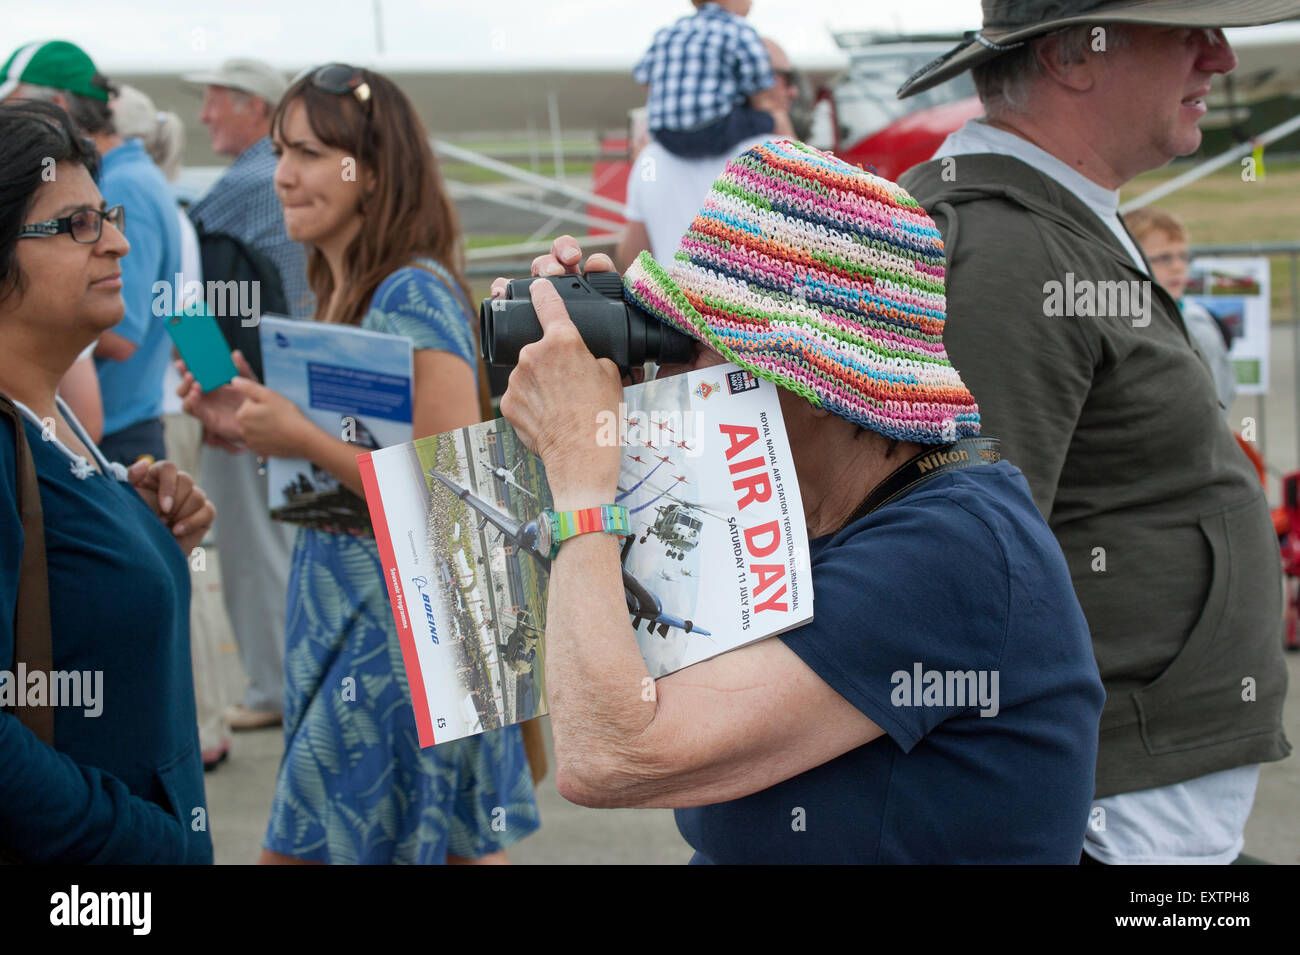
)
(610, 518)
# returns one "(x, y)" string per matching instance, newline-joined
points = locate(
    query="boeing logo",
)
(420, 584)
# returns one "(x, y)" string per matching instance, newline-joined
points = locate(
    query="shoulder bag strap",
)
(32, 641)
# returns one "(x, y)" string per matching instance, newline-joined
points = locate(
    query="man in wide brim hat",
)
(1081, 365)
(1009, 23)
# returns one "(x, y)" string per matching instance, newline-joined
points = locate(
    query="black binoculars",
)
(610, 326)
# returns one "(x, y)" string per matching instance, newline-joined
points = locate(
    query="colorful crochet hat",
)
(821, 278)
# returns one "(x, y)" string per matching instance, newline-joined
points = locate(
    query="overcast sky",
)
(170, 35)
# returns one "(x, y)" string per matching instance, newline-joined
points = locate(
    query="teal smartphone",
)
(203, 348)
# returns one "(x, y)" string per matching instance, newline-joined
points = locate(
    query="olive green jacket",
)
(1114, 420)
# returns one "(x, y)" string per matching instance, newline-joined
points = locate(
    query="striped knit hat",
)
(824, 279)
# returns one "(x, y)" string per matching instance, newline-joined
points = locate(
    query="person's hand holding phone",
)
(269, 423)
(216, 410)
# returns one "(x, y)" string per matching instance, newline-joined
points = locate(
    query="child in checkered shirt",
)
(701, 72)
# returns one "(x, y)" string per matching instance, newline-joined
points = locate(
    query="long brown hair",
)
(408, 214)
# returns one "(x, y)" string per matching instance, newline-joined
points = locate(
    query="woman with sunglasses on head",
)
(99, 753)
(360, 186)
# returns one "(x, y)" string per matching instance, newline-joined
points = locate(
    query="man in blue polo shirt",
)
(132, 358)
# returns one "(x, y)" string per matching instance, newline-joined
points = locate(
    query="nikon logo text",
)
(938, 459)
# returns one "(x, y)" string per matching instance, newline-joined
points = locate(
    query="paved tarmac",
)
(239, 798)
(240, 791)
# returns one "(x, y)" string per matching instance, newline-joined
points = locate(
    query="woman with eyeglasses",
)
(99, 754)
(360, 186)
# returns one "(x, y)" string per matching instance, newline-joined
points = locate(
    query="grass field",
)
(485, 241)
(1222, 209)
(477, 175)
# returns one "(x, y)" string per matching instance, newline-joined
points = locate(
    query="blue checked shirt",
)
(243, 203)
(701, 68)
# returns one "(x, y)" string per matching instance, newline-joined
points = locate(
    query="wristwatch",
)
(553, 528)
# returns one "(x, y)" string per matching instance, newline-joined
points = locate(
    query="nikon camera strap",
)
(966, 453)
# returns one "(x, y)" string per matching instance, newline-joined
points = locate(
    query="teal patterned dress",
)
(354, 785)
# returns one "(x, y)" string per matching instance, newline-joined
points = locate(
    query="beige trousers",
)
(209, 625)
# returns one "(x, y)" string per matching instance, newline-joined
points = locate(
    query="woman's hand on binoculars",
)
(563, 404)
(563, 259)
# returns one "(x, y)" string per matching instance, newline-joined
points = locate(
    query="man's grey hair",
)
(242, 102)
(90, 116)
(1004, 83)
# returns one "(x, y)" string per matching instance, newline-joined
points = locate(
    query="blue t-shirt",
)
(124, 783)
(961, 574)
(133, 389)
(424, 303)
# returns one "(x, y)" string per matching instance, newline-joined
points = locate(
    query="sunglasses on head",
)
(340, 79)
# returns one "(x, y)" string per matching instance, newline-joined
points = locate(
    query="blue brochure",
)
(355, 385)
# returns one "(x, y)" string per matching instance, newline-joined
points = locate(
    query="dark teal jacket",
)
(124, 786)
(1115, 422)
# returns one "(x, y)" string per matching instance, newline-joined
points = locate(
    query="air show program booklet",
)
(353, 383)
(719, 557)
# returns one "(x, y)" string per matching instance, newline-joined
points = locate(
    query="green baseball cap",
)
(55, 63)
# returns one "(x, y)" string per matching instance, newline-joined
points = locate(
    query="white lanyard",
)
(81, 468)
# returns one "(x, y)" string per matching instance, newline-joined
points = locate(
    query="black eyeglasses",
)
(339, 79)
(85, 225)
